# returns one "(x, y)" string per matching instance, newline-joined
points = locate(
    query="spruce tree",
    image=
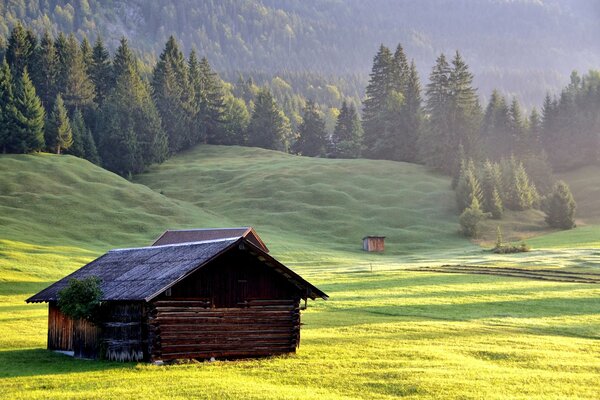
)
(517, 191)
(470, 218)
(312, 138)
(78, 129)
(84, 145)
(468, 187)
(411, 118)
(496, 134)
(44, 75)
(131, 133)
(79, 91)
(491, 184)
(379, 87)
(20, 51)
(9, 140)
(435, 145)
(464, 118)
(100, 71)
(269, 128)
(29, 117)
(209, 98)
(59, 135)
(346, 138)
(86, 53)
(173, 97)
(560, 207)
(65, 53)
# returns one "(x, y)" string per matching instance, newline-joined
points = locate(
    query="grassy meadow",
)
(387, 331)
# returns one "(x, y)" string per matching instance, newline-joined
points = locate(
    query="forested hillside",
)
(521, 47)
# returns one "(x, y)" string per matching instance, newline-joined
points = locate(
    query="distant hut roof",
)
(140, 274)
(373, 237)
(199, 235)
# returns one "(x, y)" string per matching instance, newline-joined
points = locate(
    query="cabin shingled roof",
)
(173, 236)
(140, 274)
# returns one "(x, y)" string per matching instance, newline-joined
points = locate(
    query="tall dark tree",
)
(411, 118)
(173, 97)
(9, 142)
(377, 92)
(435, 145)
(269, 128)
(79, 91)
(59, 135)
(131, 135)
(21, 48)
(44, 75)
(496, 134)
(65, 53)
(83, 142)
(30, 115)
(346, 138)
(312, 138)
(100, 71)
(209, 101)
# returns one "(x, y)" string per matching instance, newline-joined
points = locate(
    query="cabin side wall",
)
(124, 332)
(60, 329)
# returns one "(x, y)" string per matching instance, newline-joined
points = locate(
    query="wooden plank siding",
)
(190, 329)
(60, 329)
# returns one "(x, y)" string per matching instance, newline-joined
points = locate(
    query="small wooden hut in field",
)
(374, 243)
(222, 298)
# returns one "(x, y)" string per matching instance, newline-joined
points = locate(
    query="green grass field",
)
(386, 332)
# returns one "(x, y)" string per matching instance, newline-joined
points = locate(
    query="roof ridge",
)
(208, 229)
(177, 244)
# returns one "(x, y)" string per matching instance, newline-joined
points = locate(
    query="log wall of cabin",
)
(236, 307)
(124, 331)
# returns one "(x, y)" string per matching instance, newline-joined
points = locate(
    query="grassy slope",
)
(315, 204)
(381, 335)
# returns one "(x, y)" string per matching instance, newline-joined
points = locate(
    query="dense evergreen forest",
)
(523, 48)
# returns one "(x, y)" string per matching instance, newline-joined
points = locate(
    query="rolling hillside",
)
(383, 333)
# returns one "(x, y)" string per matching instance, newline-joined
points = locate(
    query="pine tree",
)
(411, 118)
(209, 93)
(79, 91)
(468, 187)
(20, 51)
(518, 131)
(87, 54)
(84, 145)
(464, 117)
(58, 128)
(78, 129)
(131, 133)
(100, 71)
(518, 193)
(435, 145)
(496, 133)
(9, 140)
(400, 71)
(65, 54)
(123, 61)
(346, 138)
(312, 138)
(29, 116)
(173, 97)
(269, 128)
(560, 207)
(44, 75)
(491, 184)
(377, 92)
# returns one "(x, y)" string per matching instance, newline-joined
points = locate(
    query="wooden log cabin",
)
(223, 298)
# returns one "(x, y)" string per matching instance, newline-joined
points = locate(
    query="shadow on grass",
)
(33, 362)
(25, 288)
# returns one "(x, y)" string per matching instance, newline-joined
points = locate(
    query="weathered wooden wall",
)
(232, 279)
(86, 339)
(124, 333)
(374, 244)
(184, 328)
(60, 329)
